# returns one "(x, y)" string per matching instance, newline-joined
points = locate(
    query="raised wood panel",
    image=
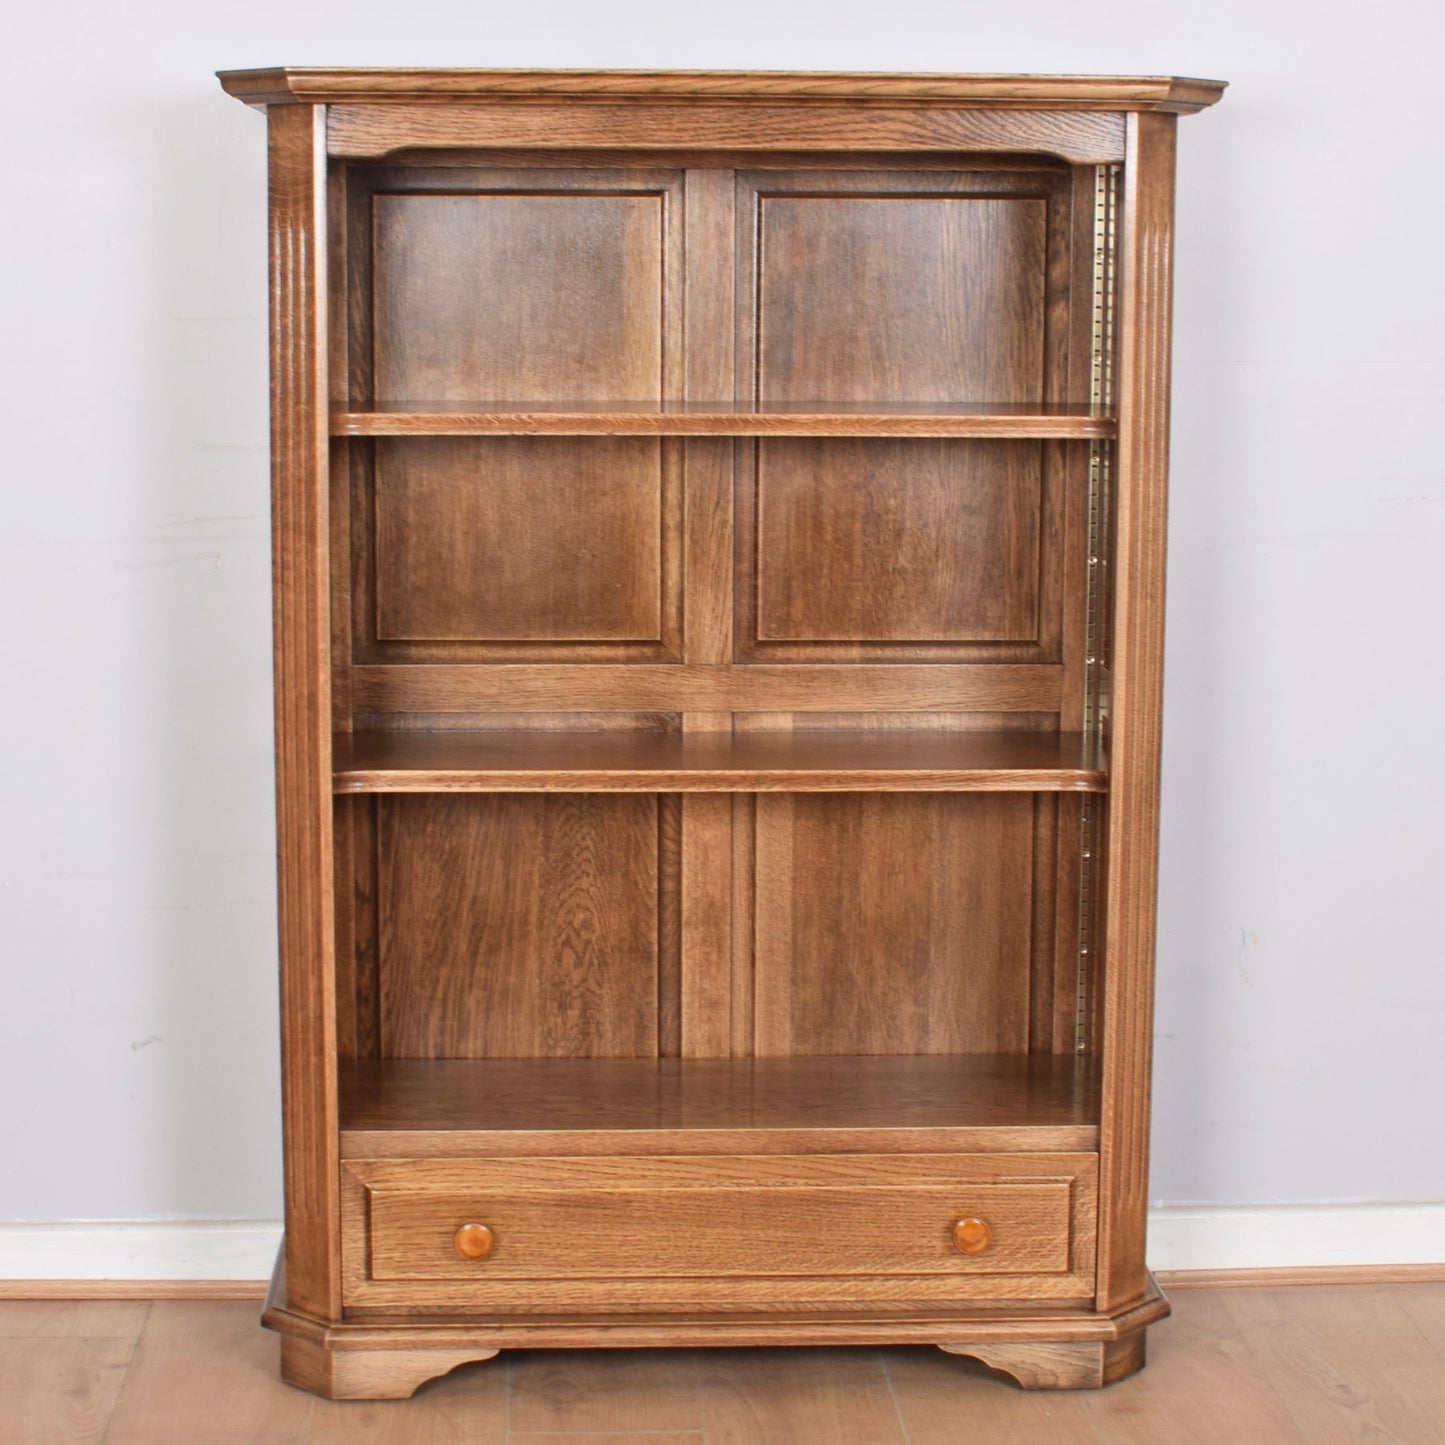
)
(555, 293)
(893, 924)
(907, 287)
(520, 539)
(898, 297)
(898, 541)
(519, 927)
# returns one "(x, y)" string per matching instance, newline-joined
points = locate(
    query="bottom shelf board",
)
(476, 1107)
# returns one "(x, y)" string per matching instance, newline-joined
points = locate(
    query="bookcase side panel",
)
(1137, 632)
(301, 525)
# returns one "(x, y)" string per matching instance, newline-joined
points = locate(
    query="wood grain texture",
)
(708, 888)
(337, 84)
(898, 541)
(582, 1396)
(368, 1374)
(1137, 630)
(1203, 1385)
(683, 1217)
(372, 130)
(519, 927)
(128, 1289)
(904, 285)
(83, 1295)
(609, 1437)
(301, 572)
(718, 480)
(892, 924)
(1063, 1366)
(519, 539)
(716, 1232)
(1358, 1376)
(1274, 1277)
(66, 1389)
(473, 282)
(896, 287)
(48, 1316)
(797, 761)
(705, 687)
(706, 898)
(839, 1396)
(549, 284)
(204, 1371)
(1200, 1388)
(499, 1107)
(827, 1322)
(711, 418)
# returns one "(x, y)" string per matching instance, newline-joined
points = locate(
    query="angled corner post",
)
(1137, 631)
(299, 500)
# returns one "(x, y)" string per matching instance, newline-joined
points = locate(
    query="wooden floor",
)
(1244, 1366)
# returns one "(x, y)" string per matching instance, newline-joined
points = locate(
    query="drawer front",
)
(706, 1227)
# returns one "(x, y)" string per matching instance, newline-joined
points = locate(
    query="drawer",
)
(932, 1218)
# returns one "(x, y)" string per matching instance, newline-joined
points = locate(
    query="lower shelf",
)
(459, 1108)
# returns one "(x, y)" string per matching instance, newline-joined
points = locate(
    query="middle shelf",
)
(652, 762)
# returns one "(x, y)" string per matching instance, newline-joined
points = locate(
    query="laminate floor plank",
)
(608, 1437)
(1348, 1363)
(469, 1404)
(72, 1319)
(55, 1390)
(955, 1400)
(1425, 1306)
(801, 1396)
(616, 1391)
(1198, 1387)
(1253, 1365)
(206, 1373)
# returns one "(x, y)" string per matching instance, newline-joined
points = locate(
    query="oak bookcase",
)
(719, 542)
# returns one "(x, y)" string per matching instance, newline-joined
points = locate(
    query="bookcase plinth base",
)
(391, 1359)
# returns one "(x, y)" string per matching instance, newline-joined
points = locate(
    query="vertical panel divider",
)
(707, 877)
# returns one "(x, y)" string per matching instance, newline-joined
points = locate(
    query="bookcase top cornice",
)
(313, 85)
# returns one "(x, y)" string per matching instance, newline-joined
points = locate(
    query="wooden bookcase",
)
(719, 529)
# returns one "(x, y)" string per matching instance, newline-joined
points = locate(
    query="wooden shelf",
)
(725, 419)
(456, 1108)
(638, 762)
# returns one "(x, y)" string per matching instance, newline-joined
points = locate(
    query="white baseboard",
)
(1294, 1236)
(148, 1249)
(1181, 1237)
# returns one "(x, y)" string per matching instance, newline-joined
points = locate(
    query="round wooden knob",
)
(474, 1241)
(972, 1236)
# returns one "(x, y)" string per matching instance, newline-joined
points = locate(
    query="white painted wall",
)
(1301, 994)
